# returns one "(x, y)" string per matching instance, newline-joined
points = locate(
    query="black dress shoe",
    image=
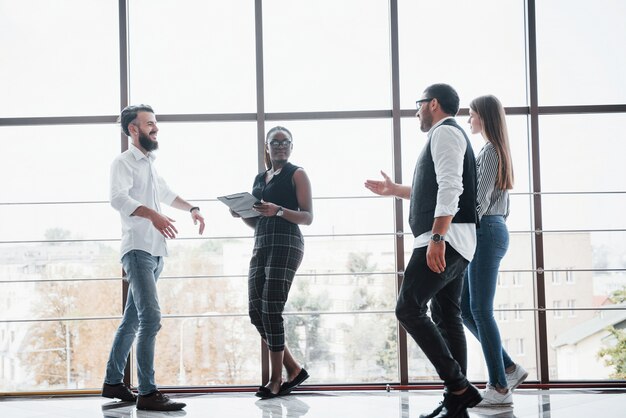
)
(265, 393)
(455, 406)
(287, 387)
(119, 391)
(434, 413)
(156, 401)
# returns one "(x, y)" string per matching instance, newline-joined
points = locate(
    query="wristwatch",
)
(280, 211)
(436, 238)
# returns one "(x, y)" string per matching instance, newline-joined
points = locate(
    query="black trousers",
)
(277, 254)
(441, 338)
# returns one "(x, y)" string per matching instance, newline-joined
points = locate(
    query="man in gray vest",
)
(443, 221)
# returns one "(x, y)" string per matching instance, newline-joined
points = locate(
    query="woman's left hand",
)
(266, 208)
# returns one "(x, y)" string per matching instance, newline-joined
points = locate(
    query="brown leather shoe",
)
(119, 391)
(156, 401)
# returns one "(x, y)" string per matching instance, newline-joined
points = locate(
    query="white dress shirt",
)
(135, 183)
(447, 146)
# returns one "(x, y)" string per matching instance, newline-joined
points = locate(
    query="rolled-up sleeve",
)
(448, 150)
(121, 182)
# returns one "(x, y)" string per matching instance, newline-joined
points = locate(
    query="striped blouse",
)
(490, 200)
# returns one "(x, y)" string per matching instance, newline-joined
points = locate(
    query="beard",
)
(426, 121)
(147, 143)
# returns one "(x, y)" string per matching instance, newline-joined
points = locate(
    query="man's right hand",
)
(164, 225)
(382, 188)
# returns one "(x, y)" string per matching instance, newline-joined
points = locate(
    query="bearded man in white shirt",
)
(136, 192)
(443, 221)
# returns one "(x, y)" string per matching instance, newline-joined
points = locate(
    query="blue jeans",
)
(441, 338)
(142, 318)
(479, 291)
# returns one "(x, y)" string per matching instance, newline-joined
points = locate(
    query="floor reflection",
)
(528, 403)
(283, 407)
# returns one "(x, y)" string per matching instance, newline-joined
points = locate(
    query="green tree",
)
(367, 348)
(615, 355)
(303, 331)
(618, 296)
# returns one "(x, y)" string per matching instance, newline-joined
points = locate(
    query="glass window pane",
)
(339, 155)
(55, 355)
(582, 152)
(583, 211)
(205, 279)
(313, 62)
(474, 66)
(334, 255)
(202, 61)
(585, 250)
(206, 160)
(221, 350)
(57, 163)
(572, 69)
(578, 342)
(60, 299)
(35, 262)
(59, 222)
(59, 60)
(351, 216)
(341, 348)
(520, 212)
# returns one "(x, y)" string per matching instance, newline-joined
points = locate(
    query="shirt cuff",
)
(129, 207)
(442, 210)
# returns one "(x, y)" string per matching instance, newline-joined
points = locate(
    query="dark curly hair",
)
(129, 114)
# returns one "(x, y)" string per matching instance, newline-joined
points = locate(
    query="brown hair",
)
(493, 119)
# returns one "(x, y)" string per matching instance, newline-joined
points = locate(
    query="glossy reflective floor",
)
(367, 404)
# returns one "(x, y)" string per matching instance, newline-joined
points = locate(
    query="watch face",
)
(436, 237)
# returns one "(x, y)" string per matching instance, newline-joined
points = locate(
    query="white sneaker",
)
(493, 398)
(515, 378)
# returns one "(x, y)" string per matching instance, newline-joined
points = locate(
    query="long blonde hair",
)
(493, 119)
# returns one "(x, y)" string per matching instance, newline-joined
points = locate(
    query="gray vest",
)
(425, 187)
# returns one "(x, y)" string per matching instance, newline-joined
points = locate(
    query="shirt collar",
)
(140, 155)
(439, 123)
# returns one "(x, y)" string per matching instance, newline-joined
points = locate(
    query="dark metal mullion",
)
(540, 286)
(260, 128)
(396, 114)
(124, 100)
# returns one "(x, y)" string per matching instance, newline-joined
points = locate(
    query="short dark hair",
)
(129, 114)
(268, 161)
(445, 95)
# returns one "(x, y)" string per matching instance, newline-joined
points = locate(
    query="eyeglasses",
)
(275, 143)
(418, 103)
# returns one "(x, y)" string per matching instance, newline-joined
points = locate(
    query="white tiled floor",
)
(367, 404)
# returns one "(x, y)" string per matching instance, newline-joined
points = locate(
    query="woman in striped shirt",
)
(495, 178)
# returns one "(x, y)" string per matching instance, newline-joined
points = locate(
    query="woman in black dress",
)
(284, 193)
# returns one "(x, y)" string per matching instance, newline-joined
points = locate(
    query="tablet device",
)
(240, 203)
